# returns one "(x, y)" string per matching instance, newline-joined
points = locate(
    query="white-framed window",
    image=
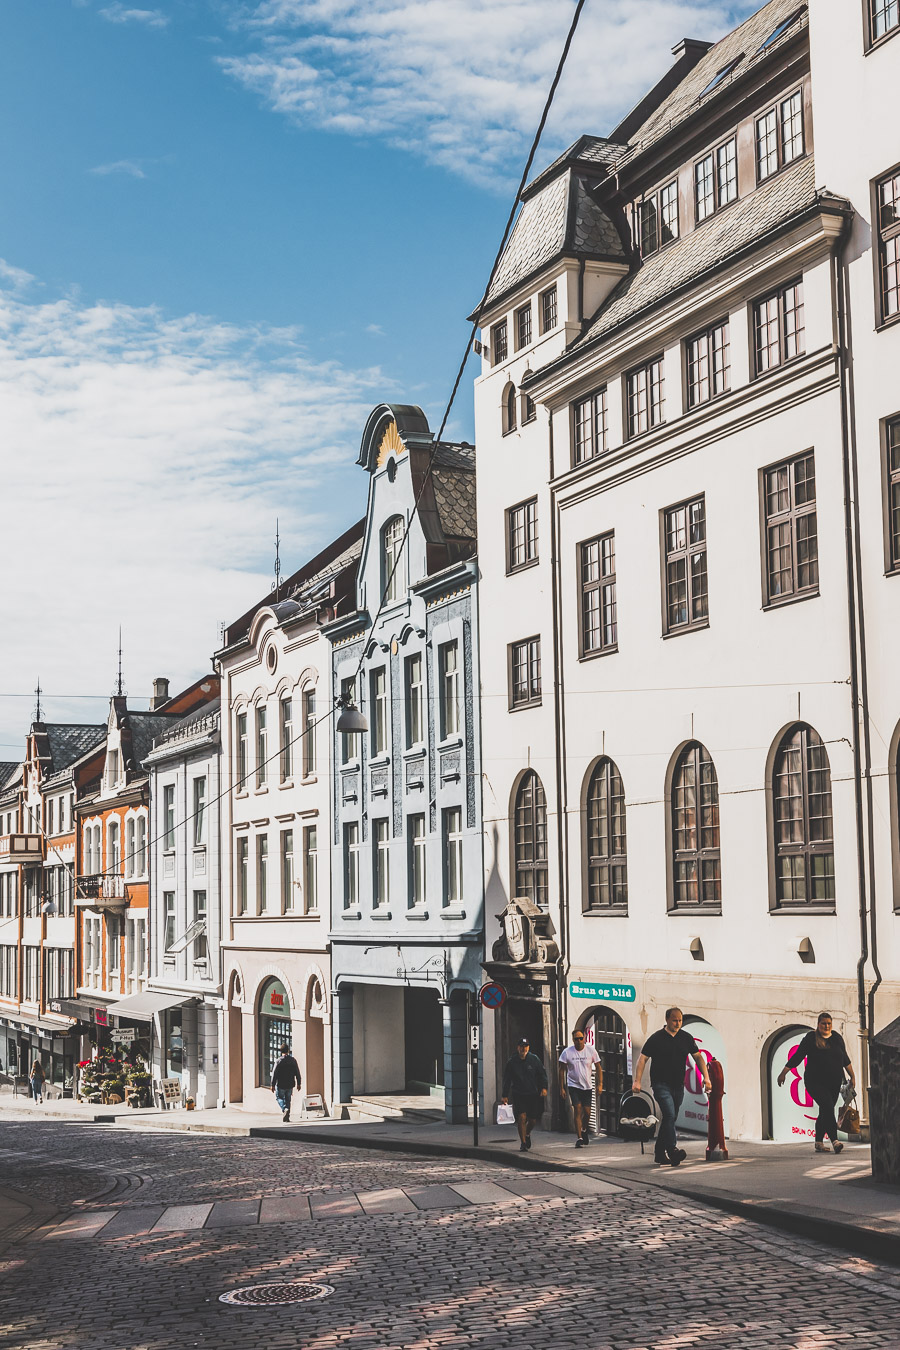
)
(140, 845)
(262, 747)
(310, 870)
(169, 818)
(113, 846)
(417, 856)
(49, 817)
(243, 749)
(201, 943)
(92, 952)
(113, 949)
(135, 946)
(199, 811)
(415, 701)
(262, 873)
(379, 702)
(381, 863)
(168, 923)
(309, 733)
(242, 870)
(453, 856)
(286, 719)
(349, 739)
(448, 664)
(129, 846)
(391, 568)
(287, 870)
(351, 864)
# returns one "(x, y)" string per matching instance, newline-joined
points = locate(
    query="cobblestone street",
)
(133, 1235)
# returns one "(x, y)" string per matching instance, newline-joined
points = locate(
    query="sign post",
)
(475, 1034)
(493, 996)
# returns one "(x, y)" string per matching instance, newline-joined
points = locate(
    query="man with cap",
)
(525, 1080)
(285, 1074)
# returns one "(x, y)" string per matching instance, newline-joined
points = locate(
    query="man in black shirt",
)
(667, 1050)
(525, 1080)
(285, 1074)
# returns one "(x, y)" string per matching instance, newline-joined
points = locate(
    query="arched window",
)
(804, 835)
(696, 869)
(509, 408)
(129, 847)
(391, 540)
(113, 850)
(607, 873)
(274, 1026)
(530, 828)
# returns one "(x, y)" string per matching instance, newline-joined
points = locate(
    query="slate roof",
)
(718, 238)
(453, 477)
(69, 742)
(145, 727)
(7, 769)
(307, 592)
(742, 41)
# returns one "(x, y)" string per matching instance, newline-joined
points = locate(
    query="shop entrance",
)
(424, 1034)
(605, 1030)
(274, 1024)
(315, 1040)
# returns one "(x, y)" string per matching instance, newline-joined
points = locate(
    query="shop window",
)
(274, 1027)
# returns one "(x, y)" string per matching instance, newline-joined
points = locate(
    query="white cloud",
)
(145, 458)
(151, 18)
(127, 166)
(461, 82)
(375, 329)
(16, 277)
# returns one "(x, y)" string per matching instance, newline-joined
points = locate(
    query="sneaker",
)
(528, 1141)
(585, 1138)
(820, 1147)
(286, 1117)
(837, 1146)
(579, 1143)
(523, 1148)
(678, 1157)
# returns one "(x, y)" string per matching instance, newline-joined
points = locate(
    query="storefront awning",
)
(143, 1006)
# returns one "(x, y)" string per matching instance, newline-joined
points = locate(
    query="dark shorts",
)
(531, 1105)
(581, 1096)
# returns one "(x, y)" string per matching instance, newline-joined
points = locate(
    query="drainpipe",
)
(859, 689)
(559, 737)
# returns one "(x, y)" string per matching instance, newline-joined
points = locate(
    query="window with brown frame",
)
(884, 18)
(715, 179)
(779, 136)
(530, 840)
(523, 326)
(509, 412)
(525, 673)
(696, 863)
(521, 535)
(656, 217)
(686, 600)
(607, 867)
(888, 214)
(645, 394)
(548, 309)
(778, 328)
(591, 425)
(708, 364)
(791, 543)
(804, 832)
(892, 473)
(529, 411)
(499, 343)
(599, 621)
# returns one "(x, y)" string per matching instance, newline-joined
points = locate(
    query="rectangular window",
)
(523, 327)
(453, 856)
(287, 870)
(499, 343)
(415, 701)
(310, 870)
(892, 468)
(379, 702)
(50, 829)
(262, 743)
(201, 944)
(242, 871)
(448, 664)
(351, 864)
(199, 811)
(591, 426)
(792, 549)
(778, 328)
(645, 397)
(381, 879)
(349, 739)
(525, 672)
(884, 16)
(548, 309)
(262, 873)
(286, 730)
(30, 964)
(597, 561)
(657, 217)
(9, 984)
(521, 535)
(715, 179)
(417, 852)
(242, 748)
(708, 364)
(779, 136)
(686, 600)
(168, 818)
(309, 733)
(169, 921)
(888, 215)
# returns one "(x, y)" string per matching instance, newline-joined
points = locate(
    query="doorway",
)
(605, 1030)
(424, 1028)
(235, 1055)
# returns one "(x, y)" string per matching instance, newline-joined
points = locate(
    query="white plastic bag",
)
(505, 1115)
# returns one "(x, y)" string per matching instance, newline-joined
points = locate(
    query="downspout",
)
(581, 267)
(558, 737)
(859, 694)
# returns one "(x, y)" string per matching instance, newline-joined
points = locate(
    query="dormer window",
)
(721, 75)
(499, 343)
(523, 327)
(782, 28)
(113, 773)
(391, 543)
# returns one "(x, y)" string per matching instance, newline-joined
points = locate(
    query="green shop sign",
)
(613, 993)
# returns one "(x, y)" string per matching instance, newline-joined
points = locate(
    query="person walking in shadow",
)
(667, 1051)
(36, 1079)
(525, 1080)
(285, 1074)
(826, 1059)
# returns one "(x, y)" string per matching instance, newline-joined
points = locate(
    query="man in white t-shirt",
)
(579, 1067)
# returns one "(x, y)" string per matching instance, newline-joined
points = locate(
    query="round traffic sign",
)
(492, 995)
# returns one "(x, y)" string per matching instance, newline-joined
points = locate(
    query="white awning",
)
(143, 1006)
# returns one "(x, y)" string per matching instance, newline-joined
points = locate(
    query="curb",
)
(484, 1152)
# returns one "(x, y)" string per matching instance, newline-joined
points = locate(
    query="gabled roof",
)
(68, 742)
(8, 769)
(725, 234)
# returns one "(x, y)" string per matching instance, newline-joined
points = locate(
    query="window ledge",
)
(354, 913)
(379, 912)
(285, 783)
(695, 911)
(308, 778)
(522, 567)
(814, 907)
(451, 742)
(604, 651)
(879, 42)
(529, 703)
(791, 600)
(453, 913)
(889, 322)
(380, 761)
(682, 628)
(260, 789)
(417, 913)
(611, 912)
(414, 752)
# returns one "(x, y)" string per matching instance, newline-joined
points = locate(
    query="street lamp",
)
(351, 720)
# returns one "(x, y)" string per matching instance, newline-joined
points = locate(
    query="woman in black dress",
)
(826, 1059)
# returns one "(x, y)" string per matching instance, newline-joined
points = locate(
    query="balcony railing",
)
(101, 892)
(20, 848)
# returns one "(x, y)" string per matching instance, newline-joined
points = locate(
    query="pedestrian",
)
(826, 1059)
(525, 1080)
(36, 1078)
(285, 1074)
(667, 1050)
(579, 1068)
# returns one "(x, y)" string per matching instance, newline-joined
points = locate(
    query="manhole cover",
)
(264, 1295)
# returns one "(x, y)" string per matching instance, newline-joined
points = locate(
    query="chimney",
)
(692, 48)
(160, 692)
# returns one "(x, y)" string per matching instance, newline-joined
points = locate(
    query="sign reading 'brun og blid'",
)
(611, 993)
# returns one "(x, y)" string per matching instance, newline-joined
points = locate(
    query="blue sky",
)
(226, 230)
